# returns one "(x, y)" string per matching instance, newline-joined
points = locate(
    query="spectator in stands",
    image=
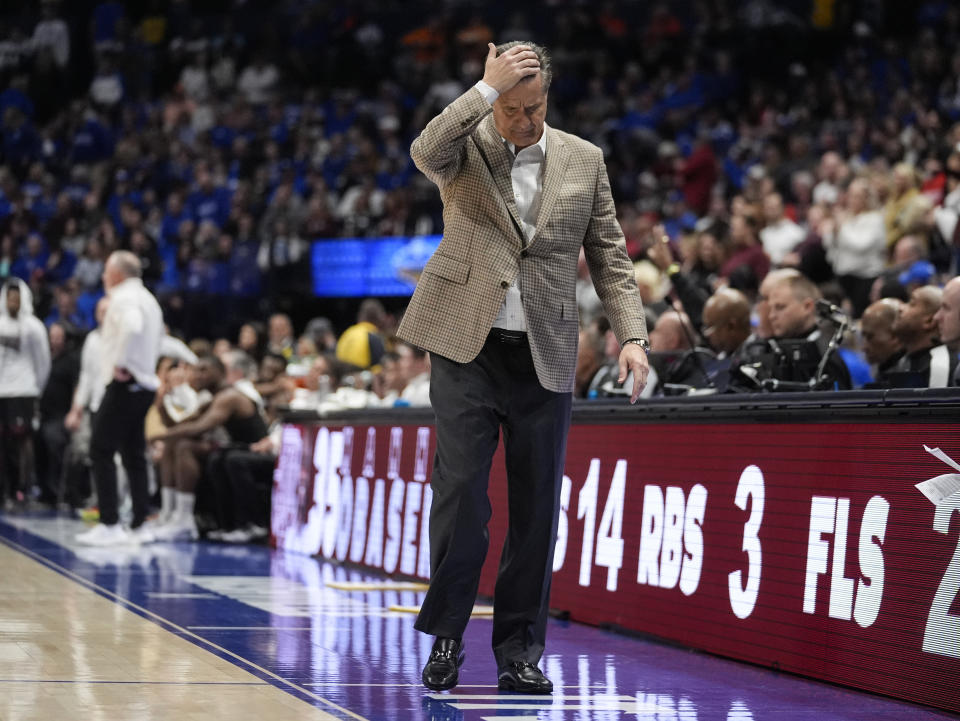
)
(698, 173)
(280, 338)
(948, 320)
(362, 344)
(258, 81)
(591, 358)
(65, 310)
(52, 32)
(24, 369)
(272, 382)
(926, 362)
(388, 383)
(693, 282)
(881, 346)
(906, 207)
(780, 235)
(8, 254)
(33, 261)
(321, 331)
(252, 340)
(54, 404)
(58, 149)
(747, 254)
(236, 407)
(857, 251)
(907, 251)
(948, 213)
(209, 201)
(89, 266)
(108, 88)
(413, 366)
(830, 174)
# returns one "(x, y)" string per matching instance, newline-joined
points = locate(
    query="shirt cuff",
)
(487, 91)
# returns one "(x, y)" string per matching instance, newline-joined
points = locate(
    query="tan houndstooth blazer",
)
(483, 250)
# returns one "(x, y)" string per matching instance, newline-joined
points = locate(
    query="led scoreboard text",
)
(800, 546)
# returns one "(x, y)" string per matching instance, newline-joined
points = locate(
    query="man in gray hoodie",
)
(24, 367)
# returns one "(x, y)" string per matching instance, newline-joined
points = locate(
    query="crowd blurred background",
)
(217, 140)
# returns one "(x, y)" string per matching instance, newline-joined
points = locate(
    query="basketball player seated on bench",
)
(236, 408)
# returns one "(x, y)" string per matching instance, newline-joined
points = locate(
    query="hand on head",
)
(503, 72)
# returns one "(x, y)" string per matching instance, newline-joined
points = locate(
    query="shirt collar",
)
(542, 143)
(126, 283)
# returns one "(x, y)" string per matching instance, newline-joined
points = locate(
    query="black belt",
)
(508, 337)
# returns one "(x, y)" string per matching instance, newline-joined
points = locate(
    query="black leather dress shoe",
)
(443, 666)
(524, 676)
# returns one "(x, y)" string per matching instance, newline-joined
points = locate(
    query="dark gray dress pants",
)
(472, 402)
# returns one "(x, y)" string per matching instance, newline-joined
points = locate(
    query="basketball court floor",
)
(207, 631)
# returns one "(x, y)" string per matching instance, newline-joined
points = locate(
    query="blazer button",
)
(524, 253)
(504, 284)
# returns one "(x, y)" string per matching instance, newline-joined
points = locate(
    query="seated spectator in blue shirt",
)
(208, 202)
(33, 259)
(92, 141)
(15, 96)
(65, 310)
(21, 144)
(123, 192)
(173, 216)
(61, 264)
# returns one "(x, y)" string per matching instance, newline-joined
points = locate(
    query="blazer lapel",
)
(556, 162)
(500, 162)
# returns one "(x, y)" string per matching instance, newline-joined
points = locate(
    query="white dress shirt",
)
(131, 334)
(859, 247)
(89, 391)
(527, 179)
(947, 214)
(781, 238)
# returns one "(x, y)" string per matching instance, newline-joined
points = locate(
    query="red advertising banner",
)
(804, 547)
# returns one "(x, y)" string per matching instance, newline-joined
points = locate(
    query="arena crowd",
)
(787, 177)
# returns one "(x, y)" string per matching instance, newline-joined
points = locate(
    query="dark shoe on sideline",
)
(443, 666)
(524, 676)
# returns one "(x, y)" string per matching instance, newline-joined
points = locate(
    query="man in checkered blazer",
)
(496, 307)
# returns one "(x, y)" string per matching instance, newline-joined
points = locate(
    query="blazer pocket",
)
(565, 310)
(448, 268)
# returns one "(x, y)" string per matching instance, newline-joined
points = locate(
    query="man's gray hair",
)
(546, 67)
(127, 263)
(237, 360)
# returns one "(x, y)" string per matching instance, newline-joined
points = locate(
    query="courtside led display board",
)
(362, 267)
(799, 546)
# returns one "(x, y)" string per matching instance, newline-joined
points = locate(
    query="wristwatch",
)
(642, 342)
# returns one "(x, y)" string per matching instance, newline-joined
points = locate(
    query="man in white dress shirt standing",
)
(130, 337)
